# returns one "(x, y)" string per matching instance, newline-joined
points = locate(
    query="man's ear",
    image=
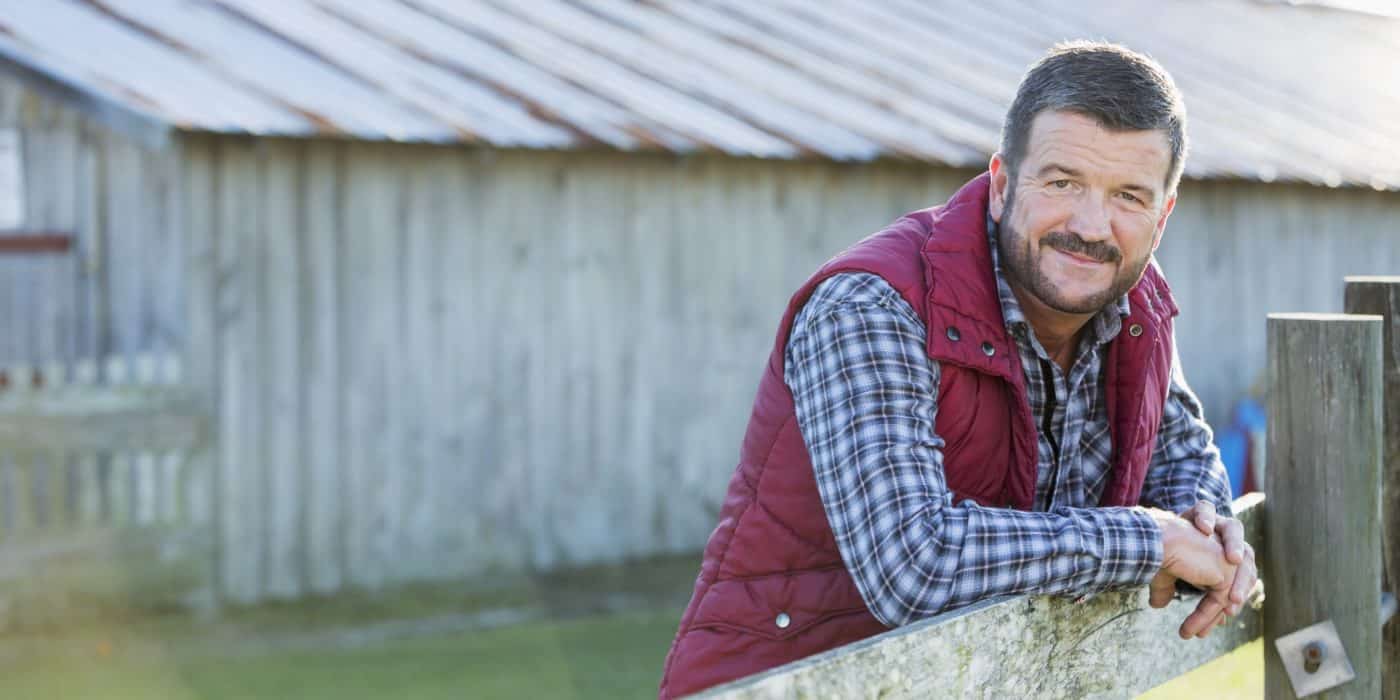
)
(997, 197)
(1167, 208)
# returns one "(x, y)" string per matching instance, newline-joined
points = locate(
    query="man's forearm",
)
(868, 426)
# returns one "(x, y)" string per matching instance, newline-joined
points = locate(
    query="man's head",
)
(1091, 154)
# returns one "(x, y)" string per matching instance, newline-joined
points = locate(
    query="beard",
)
(1021, 261)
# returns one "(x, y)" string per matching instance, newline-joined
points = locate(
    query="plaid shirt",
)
(866, 396)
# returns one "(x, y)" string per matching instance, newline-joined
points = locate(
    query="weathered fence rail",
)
(99, 508)
(1333, 479)
(1109, 646)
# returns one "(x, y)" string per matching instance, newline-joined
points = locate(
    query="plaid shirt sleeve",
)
(866, 397)
(1186, 466)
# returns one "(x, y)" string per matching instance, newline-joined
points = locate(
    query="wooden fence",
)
(99, 505)
(1333, 460)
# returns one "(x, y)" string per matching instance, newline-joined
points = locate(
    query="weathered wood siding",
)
(444, 362)
(439, 362)
(118, 291)
(1236, 251)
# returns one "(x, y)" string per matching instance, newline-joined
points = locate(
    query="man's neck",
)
(1058, 332)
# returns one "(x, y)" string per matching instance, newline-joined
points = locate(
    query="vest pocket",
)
(780, 606)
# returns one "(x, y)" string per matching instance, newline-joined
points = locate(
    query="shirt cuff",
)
(1130, 548)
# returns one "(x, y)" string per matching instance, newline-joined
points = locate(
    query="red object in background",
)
(38, 242)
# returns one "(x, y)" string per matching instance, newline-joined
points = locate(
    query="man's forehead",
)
(1080, 142)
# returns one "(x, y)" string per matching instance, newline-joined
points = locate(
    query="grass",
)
(601, 632)
(615, 656)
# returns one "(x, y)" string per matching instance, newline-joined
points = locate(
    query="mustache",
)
(1070, 243)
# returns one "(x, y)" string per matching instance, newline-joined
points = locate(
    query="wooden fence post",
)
(1322, 529)
(1381, 296)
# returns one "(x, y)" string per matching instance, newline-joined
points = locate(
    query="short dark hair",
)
(1119, 88)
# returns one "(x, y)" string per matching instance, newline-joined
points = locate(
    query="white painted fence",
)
(99, 503)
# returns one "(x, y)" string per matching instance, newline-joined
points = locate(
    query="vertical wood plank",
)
(1381, 296)
(146, 468)
(525, 363)
(200, 350)
(1322, 533)
(240, 506)
(385, 342)
(465, 452)
(281, 237)
(421, 315)
(362, 336)
(322, 298)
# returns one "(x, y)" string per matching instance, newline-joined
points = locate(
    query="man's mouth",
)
(1078, 258)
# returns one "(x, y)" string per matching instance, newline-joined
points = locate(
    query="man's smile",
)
(1079, 260)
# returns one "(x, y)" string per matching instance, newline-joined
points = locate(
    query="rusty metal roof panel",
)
(1275, 91)
(129, 67)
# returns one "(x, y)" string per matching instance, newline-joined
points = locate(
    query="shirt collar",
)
(1104, 327)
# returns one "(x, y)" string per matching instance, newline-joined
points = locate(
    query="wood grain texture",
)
(282, 237)
(320, 301)
(1322, 536)
(240, 438)
(1022, 647)
(1381, 296)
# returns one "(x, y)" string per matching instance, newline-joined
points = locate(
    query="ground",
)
(595, 633)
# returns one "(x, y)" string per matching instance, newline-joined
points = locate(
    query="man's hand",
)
(1237, 552)
(1199, 559)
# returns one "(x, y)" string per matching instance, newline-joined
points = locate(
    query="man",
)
(982, 399)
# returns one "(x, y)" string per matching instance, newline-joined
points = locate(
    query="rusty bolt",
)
(1313, 656)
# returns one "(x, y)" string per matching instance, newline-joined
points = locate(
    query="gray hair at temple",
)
(1119, 88)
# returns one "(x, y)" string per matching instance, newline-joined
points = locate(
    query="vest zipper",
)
(1047, 423)
(1047, 420)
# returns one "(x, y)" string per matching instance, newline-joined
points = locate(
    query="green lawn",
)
(601, 657)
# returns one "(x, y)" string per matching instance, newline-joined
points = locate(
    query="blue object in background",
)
(1234, 452)
(1234, 441)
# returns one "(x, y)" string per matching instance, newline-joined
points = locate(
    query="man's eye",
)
(1060, 184)
(1130, 197)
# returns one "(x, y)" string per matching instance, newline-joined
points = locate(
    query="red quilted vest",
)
(772, 587)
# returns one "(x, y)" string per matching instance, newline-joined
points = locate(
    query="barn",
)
(464, 287)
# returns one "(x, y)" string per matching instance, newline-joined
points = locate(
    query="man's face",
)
(1086, 210)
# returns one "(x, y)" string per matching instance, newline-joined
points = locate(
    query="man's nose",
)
(1090, 218)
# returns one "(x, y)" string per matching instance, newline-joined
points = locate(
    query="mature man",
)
(982, 399)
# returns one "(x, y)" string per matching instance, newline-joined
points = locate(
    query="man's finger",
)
(1202, 617)
(1232, 534)
(1245, 576)
(1218, 622)
(1161, 591)
(1204, 517)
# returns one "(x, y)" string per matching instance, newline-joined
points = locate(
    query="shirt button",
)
(988, 350)
(953, 333)
(783, 621)
(1135, 330)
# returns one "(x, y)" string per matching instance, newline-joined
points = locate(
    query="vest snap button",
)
(1135, 330)
(953, 333)
(783, 621)
(988, 350)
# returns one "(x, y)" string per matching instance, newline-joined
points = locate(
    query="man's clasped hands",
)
(1208, 551)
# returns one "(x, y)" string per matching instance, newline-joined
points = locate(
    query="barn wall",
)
(441, 363)
(1235, 252)
(435, 362)
(118, 291)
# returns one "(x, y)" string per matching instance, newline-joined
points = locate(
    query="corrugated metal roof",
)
(1275, 91)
